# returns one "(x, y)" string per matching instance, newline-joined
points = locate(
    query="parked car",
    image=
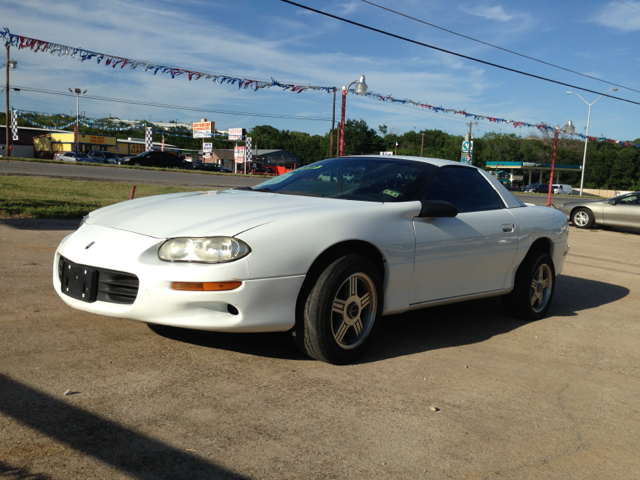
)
(270, 171)
(155, 158)
(622, 211)
(104, 156)
(256, 170)
(561, 189)
(71, 157)
(87, 159)
(536, 188)
(211, 167)
(406, 233)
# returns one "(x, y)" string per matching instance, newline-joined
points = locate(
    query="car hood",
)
(221, 213)
(577, 203)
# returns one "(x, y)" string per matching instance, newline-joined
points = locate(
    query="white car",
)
(71, 157)
(321, 259)
(562, 189)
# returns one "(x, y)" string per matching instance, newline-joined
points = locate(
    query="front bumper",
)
(259, 305)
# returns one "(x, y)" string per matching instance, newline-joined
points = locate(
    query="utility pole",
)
(333, 124)
(8, 114)
(422, 146)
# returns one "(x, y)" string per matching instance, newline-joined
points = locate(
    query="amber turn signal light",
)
(205, 286)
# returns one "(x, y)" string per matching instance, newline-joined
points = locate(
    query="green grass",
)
(31, 197)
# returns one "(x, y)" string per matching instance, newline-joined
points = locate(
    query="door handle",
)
(507, 227)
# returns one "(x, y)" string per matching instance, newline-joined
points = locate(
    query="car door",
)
(467, 254)
(625, 212)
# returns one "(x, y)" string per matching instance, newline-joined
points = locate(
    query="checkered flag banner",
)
(247, 143)
(147, 138)
(14, 124)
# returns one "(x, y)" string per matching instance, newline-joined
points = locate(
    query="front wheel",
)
(341, 312)
(533, 289)
(582, 218)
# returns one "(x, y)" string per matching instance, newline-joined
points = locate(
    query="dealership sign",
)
(239, 154)
(236, 133)
(203, 129)
(207, 147)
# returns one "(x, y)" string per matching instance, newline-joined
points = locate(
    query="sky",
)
(265, 39)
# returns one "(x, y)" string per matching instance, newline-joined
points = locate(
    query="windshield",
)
(355, 178)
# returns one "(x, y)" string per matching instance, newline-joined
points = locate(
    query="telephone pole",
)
(422, 146)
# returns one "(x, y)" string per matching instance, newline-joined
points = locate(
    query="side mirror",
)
(613, 202)
(437, 209)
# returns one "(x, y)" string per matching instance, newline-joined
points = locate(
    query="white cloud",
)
(490, 13)
(619, 16)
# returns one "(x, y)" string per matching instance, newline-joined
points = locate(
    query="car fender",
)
(536, 223)
(289, 246)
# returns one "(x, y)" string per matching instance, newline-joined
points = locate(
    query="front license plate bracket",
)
(79, 282)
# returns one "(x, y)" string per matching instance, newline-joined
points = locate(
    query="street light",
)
(568, 128)
(361, 89)
(586, 139)
(9, 65)
(78, 92)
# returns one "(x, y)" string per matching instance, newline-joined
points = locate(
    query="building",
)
(517, 170)
(47, 145)
(24, 146)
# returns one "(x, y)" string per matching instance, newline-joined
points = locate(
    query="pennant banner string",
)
(81, 54)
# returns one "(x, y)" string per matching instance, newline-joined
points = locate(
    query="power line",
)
(499, 48)
(628, 5)
(173, 107)
(399, 37)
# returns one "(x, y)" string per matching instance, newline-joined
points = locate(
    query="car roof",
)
(438, 162)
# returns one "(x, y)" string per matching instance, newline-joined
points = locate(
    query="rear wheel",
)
(533, 289)
(582, 218)
(341, 311)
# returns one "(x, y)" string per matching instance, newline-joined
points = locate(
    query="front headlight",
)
(204, 250)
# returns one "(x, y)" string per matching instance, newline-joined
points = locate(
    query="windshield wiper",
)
(253, 190)
(303, 194)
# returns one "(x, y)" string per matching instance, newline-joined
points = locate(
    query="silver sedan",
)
(622, 211)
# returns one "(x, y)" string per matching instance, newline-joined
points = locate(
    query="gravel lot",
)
(450, 392)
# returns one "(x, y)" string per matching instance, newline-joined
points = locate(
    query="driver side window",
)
(630, 200)
(464, 187)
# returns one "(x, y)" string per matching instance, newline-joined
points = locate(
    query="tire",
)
(137, 164)
(175, 167)
(340, 311)
(533, 289)
(582, 218)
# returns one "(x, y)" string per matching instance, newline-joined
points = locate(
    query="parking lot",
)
(450, 392)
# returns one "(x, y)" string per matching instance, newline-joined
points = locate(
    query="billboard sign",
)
(203, 129)
(239, 154)
(236, 133)
(207, 147)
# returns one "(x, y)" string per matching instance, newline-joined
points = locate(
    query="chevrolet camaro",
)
(323, 252)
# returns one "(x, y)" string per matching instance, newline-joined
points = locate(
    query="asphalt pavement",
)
(133, 175)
